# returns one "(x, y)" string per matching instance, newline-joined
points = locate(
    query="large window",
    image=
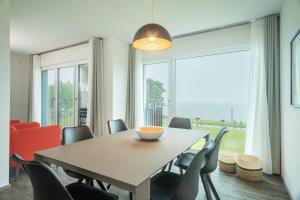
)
(48, 97)
(156, 93)
(210, 90)
(64, 95)
(213, 92)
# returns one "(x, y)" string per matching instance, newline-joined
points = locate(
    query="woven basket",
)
(227, 168)
(249, 174)
(227, 160)
(249, 168)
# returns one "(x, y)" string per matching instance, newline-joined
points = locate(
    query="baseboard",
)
(287, 189)
(6, 187)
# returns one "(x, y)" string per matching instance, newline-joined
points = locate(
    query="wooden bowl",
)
(150, 133)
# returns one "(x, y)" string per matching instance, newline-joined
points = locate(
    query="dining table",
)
(123, 159)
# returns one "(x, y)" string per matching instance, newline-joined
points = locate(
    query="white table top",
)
(121, 159)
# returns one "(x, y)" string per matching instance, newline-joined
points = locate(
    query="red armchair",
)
(23, 125)
(26, 141)
(14, 121)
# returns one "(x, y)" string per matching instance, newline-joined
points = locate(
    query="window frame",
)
(57, 67)
(171, 60)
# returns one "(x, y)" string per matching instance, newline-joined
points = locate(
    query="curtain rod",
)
(67, 46)
(221, 27)
(174, 37)
(63, 47)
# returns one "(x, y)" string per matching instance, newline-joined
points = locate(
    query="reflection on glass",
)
(156, 94)
(48, 97)
(82, 93)
(65, 96)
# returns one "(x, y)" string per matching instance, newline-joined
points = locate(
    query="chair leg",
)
(101, 185)
(130, 196)
(17, 174)
(213, 187)
(170, 166)
(206, 187)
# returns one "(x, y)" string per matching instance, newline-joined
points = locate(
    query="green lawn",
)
(234, 140)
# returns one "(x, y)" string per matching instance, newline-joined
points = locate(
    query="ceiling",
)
(41, 25)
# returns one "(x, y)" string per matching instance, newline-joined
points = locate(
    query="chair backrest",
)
(45, 183)
(189, 185)
(75, 134)
(115, 126)
(179, 122)
(212, 155)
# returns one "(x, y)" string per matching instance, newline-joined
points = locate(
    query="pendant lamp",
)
(152, 37)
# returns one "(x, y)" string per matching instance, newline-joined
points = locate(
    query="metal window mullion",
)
(57, 94)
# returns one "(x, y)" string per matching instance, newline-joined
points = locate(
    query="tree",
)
(154, 92)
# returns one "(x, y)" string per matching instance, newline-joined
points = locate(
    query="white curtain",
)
(139, 100)
(134, 103)
(95, 112)
(257, 136)
(130, 102)
(35, 93)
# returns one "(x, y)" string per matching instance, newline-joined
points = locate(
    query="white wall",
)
(4, 91)
(290, 117)
(218, 41)
(19, 92)
(115, 77)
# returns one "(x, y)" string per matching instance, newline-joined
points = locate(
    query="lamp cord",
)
(152, 9)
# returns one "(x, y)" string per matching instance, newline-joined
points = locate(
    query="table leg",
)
(142, 192)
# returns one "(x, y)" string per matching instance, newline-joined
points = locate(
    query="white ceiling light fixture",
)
(152, 37)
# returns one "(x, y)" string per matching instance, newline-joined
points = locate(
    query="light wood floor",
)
(229, 188)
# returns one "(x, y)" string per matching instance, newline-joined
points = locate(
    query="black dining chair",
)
(71, 135)
(117, 125)
(171, 186)
(178, 122)
(210, 163)
(47, 186)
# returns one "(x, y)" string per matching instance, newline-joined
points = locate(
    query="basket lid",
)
(228, 157)
(247, 161)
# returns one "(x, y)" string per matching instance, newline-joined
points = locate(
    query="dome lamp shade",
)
(152, 37)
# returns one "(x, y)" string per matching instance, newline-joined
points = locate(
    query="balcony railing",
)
(153, 116)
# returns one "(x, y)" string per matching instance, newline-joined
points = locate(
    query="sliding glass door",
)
(156, 98)
(64, 94)
(82, 93)
(211, 90)
(48, 97)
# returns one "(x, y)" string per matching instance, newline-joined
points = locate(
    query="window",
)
(211, 90)
(48, 97)
(82, 93)
(64, 95)
(156, 94)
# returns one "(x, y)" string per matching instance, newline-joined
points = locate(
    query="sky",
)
(217, 78)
